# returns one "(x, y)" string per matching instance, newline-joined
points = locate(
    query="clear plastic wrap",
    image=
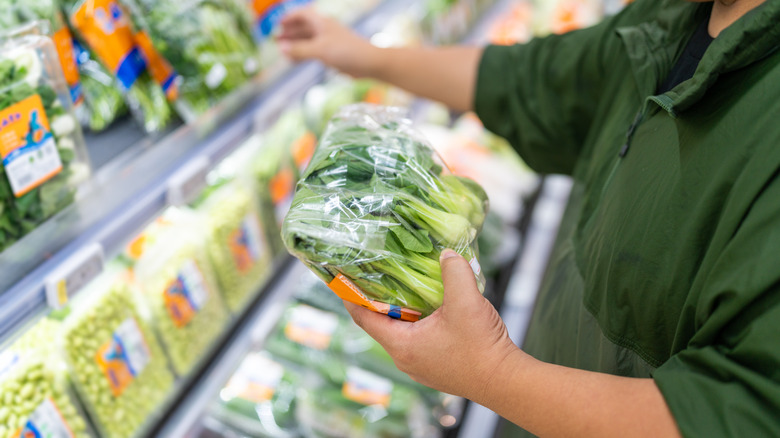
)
(374, 210)
(259, 398)
(44, 159)
(281, 155)
(236, 243)
(208, 43)
(118, 368)
(104, 27)
(179, 288)
(363, 405)
(34, 393)
(104, 102)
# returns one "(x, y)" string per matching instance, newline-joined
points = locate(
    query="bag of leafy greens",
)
(43, 154)
(104, 26)
(208, 42)
(374, 210)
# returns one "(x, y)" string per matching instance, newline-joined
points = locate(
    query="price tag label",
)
(188, 182)
(73, 274)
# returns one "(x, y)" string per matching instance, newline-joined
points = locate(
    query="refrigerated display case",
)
(201, 388)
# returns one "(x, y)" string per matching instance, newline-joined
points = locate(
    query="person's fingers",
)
(295, 33)
(382, 328)
(298, 50)
(304, 17)
(460, 286)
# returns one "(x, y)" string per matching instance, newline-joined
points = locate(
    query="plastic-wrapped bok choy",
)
(374, 210)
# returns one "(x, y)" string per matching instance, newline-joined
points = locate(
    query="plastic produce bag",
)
(208, 43)
(119, 370)
(281, 156)
(259, 398)
(34, 394)
(43, 154)
(179, 287)
(363, 405)
(374, 210)
(236, 243)
(104, 26)
(103, 98)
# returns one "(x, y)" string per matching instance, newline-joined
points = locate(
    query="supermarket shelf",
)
(526, 280)
(480, 32)
(129, 191)
(185, 419)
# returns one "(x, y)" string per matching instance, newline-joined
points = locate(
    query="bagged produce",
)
(34, 395)
(175, 279)
(281, 156)
(104, 26)
(43, 154)
(118, 368)
(236, 243)
(207, 42)
(103, 98)
(259, 398)
(374, 210)
(364, 405)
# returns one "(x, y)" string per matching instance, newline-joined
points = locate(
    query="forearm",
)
(551, 400)
(447, 75)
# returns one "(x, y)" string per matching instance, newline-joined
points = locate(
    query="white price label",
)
(132, 343)
(188, 182)
(73, 274)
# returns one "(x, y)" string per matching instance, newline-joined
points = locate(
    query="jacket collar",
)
(653, 47)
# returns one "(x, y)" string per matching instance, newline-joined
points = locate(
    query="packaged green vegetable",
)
(105, 28)
(118, 368)
(259, 398)
(208, 42)
(34, 394)
(236, 243)
(284, 152)
(178, 286)
(103, 99)
(374, 210)
(363, 405)
(43, 155)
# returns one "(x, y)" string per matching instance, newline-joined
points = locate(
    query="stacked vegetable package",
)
(374, 210)
(207, 42)
(118, 367)
(34, 396)
(146, 79)
(43, 154)
(177, 283)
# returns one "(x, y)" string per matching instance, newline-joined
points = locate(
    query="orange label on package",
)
(282, 185)
(245, 243)
(375, 95)
(303, 149)
(185, 295)
(27, 147)
(366, 388)
(311, 327)
(348, 291)
(106, 29)
(63, 41)
(158, 66)
(123, 357)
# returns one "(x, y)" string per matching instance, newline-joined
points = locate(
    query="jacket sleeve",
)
(726, 380)
(542, 96)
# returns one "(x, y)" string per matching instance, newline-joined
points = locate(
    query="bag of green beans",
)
(117, 366)
(179, 288)
(35, 399)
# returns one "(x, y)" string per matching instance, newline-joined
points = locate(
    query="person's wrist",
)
(371, 61)
(505, 362)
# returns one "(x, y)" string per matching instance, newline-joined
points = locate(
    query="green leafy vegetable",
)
(376, 206)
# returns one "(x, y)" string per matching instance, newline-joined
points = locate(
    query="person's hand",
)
(308, 35)
(459, 348)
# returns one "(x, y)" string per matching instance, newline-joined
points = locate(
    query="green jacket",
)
(667, 264)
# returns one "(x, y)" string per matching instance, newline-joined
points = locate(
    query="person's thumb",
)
(298, 50)
(460, 285)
